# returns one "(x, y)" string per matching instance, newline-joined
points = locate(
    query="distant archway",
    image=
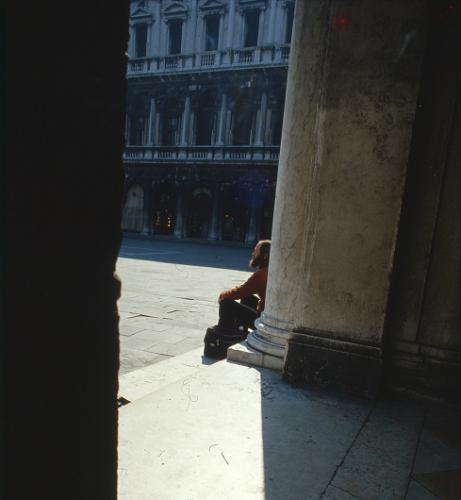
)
(199, 213)
(164, 209)
(133, 210)
(234, 217)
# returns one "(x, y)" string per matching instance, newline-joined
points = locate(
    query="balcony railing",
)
(221, 59)
(202, 153)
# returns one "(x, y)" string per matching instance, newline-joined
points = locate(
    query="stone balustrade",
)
(216, 59)
(202, 153)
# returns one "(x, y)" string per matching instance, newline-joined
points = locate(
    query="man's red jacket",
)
(255, 284)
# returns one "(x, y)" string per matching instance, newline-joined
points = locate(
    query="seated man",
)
(233, 314)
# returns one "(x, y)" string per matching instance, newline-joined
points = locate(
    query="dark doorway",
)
(234, 217)
(207, 119)
(243, 118)
(164, 209)
(199, 213)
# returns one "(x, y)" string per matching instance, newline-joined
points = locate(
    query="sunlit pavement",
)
(194, 429)
(169, 295)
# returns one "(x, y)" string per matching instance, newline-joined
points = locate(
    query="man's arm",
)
(241, 291)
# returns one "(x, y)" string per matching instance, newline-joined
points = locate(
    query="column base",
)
(268, 339)
(243, 353)
(331, 364)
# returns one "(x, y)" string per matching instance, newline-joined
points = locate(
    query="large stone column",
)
(350, 102)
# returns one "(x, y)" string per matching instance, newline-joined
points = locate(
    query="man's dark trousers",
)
(233, 314)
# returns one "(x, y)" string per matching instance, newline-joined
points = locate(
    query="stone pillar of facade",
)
(343, 160)
(261, 27)
(230, 25)
(213, 232)
(179, 219)
(147, 211)
(127, 129)
(151, 136)
(222, 121)
(185, 122)
(252, 233)
(191, 29)
(272, 17)
(261, 120)
(157, 29)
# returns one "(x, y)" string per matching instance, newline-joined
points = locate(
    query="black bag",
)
(218, 339)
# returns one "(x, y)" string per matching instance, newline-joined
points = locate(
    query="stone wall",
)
(423, 324)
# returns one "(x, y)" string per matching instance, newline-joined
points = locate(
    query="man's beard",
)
(255, 261)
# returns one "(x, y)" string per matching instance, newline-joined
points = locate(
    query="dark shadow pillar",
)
(63, 168)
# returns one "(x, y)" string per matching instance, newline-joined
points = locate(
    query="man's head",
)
(260, 255)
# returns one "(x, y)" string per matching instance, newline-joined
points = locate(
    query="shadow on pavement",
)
(319, 445)
(186, 253)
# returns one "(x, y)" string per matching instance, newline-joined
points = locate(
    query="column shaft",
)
(230, 24)
(213, 232)
(261, 120)
(179, 224)
(340, 182)
(185, 122)
(222, 120)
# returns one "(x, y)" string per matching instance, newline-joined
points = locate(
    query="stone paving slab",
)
(232, 432)
(169, 296)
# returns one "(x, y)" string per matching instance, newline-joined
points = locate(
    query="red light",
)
(342, 22)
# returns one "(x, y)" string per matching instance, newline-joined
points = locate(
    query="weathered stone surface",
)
(351, 98)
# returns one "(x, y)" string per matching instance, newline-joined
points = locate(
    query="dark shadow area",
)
(325, 445)
(63, 171)
(186, 253)
(208, 361)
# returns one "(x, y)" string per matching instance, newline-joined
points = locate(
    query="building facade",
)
(206, 89)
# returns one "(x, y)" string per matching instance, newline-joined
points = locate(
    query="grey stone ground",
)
(169, 295)
(201, 430)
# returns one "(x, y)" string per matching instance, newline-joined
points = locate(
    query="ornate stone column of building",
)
(350, 103)
(222, 120)
(270, 34)
(252, 233)
(261, 32)
(213, 232)
(179, 220)
(261, 120)
(151, 136)
(185, 122)
(230, 25)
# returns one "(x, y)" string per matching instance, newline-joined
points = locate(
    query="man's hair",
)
(264, 251)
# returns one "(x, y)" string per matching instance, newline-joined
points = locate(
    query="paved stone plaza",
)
(199, 429)
(169, 295)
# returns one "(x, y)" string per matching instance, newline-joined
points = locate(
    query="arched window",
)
(133, 210)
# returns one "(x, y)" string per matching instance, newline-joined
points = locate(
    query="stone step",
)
(229, 431)
(244, 353)
(139, 383)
